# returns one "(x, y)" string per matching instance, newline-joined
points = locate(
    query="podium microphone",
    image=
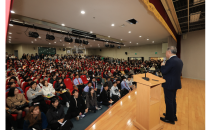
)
(164, 59)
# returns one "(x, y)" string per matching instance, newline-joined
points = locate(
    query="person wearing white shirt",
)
(40, 83)
(47, 89)
(129, 82)
(115, 93)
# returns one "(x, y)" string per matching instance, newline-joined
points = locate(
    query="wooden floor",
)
(190, 110)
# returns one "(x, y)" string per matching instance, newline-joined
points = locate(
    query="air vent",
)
(132, 21)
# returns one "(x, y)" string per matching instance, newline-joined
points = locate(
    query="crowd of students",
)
(37, 87)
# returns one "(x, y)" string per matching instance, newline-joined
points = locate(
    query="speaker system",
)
(126, 53)
(63, 49)
(100, 49)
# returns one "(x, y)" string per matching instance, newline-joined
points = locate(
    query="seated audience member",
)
(17, 104)
(137, 71)
(126, 71)
(55, 116)
(94, 83)
(71, 76)
(77, 107)
(79, 83)
(105, 75)
(86, 89)
(110, 84)
(91, 100)
(40, 83)
(34, 95)
(115, 73)
(105, 96)
(131, 72)
(63, 76)
(124, 87)
(35, 119)
(61, 88)
(29, 82)
(53, 79)
(47, 76)
(147, 68)
(47, 89)
(109, 73)
(115, 93)
(129, 82)
(13, 85)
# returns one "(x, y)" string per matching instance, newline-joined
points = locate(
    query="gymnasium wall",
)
(193, 55)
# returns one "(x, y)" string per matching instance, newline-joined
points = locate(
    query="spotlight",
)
(78, 41)
(111, 46)
(106, 45)
(67, 39)
(50, 37)
(118, 47)
(33, 34)
(85, 42)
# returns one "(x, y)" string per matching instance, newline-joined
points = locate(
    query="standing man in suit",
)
(171, 71)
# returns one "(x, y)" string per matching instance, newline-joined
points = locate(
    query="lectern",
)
(148, 102)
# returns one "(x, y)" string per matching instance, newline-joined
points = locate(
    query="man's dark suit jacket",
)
(171, 73)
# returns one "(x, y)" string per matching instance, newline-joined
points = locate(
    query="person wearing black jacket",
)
(60, 86)
(42, 56)
(77, 107)
(24, 56)
(55, 116)
(105, 75)
(105, 96)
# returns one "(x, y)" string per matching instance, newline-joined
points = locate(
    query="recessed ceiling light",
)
(147, 39)
(9, 42)
(54, 42)
(60, 40)
(90, 31)
(9, 39)
(121, 39)
(83, 12)
(39, 37)
(63, 24)
(12, 12)
(94, 39)
(10, 33)
(112, 24)
(140, 36)
(9, 36)
(137, 43)
(129, 31)
(49, 43)
(98, 44)
(124, 45)
(35, 40)
(69, 43)
(152, 41)
(129, 42)
(32, 41)
(10, 24)
(108, 36)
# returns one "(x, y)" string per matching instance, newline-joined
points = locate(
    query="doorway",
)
(16, 53)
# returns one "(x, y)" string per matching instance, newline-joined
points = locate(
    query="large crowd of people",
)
(38, 87)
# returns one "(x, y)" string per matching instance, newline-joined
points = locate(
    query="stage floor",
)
(190, 110)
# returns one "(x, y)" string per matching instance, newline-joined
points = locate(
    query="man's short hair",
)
(74, 91)
(172, 49)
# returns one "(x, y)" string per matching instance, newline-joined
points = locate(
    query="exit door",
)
(16, 53)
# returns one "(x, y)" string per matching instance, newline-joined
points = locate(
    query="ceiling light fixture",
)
(9, 36)
(10, 33)
(152, 41)
(137, 43)
(108, 36)
(121, 39)
(194, 17)
(12, 12)
(147, 39)
(129, 31)
(35, 40)
(32, 41)
(54, 42)
(83, 12)
(90, 31)
(140, 36)
(49, 43)
(112, 24)
(10, 24)
(63, 24)
(9, 39)
(129, 42)
(39, 37)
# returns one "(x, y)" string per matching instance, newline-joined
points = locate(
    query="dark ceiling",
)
(181, 7)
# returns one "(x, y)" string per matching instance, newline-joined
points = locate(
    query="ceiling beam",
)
(191, 7)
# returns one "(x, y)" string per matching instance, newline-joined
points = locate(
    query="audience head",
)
(29, 80)
(13, 91)
(45, 83)
(75, 93)
(55, 102)
(93, 79)
(114, 83)
(129, 78)
(118, 81)
(54, 77)
(40, 80)
(77, 76)
(34, 115)
(59, 79)
(33, 85)
(89, 84)
(12, 84)
(106, 86)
